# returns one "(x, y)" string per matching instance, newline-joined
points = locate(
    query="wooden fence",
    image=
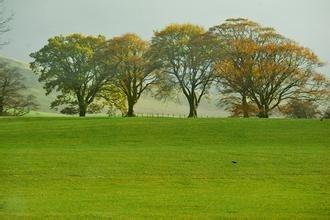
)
(161, 115)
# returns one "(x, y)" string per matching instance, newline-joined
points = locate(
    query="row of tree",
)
(255, 69)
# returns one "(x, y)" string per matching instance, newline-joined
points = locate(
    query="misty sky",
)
(305, 21)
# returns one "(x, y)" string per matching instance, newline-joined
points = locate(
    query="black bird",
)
(234, 162)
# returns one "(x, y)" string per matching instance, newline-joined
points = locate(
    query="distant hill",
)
(147, 105)
(32, 84)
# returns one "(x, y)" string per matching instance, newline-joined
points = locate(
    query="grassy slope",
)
(146, 104)
(131, 168)
(32, 84)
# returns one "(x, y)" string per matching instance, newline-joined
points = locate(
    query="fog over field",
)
(35, 21)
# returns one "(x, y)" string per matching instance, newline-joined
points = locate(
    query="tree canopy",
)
(184, 52)
(135, 72)
(264, 66)
(256, 69)
(72, 66)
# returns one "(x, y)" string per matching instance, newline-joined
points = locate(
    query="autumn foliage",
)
(265, 68)
(256, 69)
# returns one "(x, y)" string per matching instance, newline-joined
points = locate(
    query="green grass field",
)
(71, 168)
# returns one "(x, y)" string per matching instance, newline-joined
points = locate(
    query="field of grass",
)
(71, 168)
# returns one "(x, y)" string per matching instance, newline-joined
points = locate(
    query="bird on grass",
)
(234, 162)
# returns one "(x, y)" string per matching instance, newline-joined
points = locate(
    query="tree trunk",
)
(245, 107)
(82, 105)
(1, 109)
(82, 110)
(130, 110)
(192, 109)
(263, 115)
(263, 112)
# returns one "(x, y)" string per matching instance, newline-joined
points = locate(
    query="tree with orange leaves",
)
(135, 72)
(264, 67)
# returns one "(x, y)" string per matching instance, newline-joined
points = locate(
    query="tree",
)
(301, 109)
(238, 108)
(266, 67)
(285, 71)
(135, 73)
(234, 70)
(72, 66)
(325, 101)
(113, 99)
(4, 20)
(326, 114)
(185, 55)
(12, 100)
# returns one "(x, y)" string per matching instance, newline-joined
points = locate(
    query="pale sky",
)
(305, 21)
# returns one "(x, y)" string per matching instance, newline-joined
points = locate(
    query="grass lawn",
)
(75, 168)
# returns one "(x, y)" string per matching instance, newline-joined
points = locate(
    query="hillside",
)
(32, 84)
(123, 168)
(147, 104)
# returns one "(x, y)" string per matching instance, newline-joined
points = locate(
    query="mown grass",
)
(71, 168)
